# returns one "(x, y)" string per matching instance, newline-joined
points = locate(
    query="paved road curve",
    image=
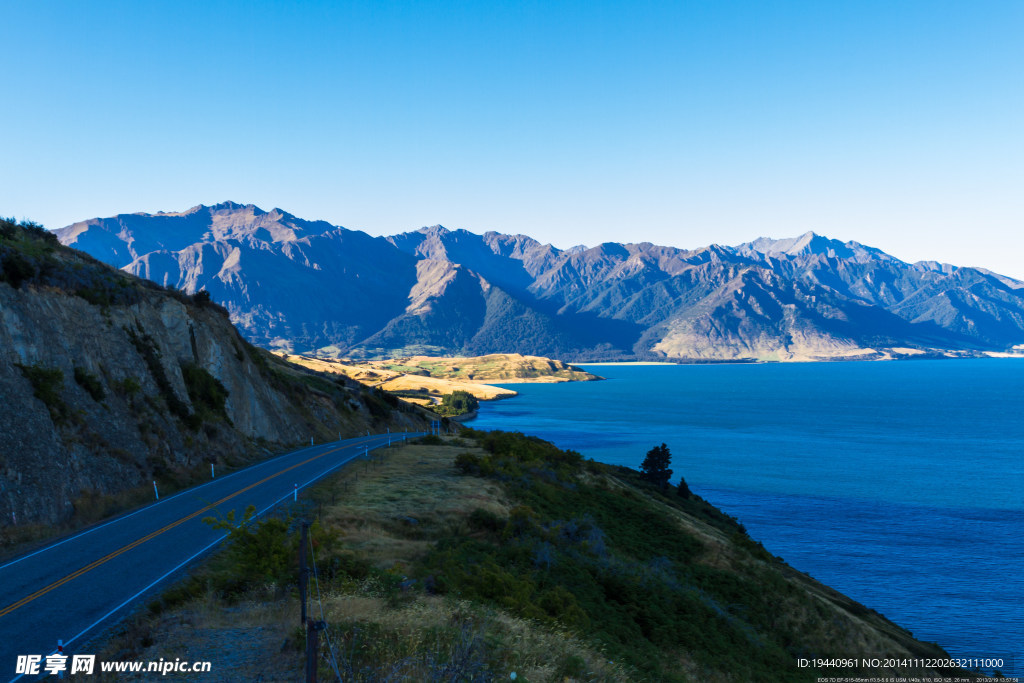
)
(74, 586)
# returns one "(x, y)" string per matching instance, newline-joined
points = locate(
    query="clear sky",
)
(896, 124)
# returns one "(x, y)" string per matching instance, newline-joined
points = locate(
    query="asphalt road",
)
(77, 585)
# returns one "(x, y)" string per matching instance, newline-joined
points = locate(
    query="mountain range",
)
(312, 287)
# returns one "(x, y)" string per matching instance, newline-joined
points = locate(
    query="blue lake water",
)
(900, 484)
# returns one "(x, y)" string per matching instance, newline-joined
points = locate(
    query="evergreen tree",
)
(683, 491)
(655, 466)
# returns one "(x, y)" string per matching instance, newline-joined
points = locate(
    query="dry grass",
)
(251, 641)
(440, 386)
(495, 367)
(388, 510)
(532, 652)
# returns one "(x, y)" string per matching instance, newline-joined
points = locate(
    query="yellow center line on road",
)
(89, 567)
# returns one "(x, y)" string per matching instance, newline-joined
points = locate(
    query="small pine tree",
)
(683, 491)
(655, 466)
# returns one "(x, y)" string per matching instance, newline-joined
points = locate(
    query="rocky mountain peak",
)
(434, 230)
(807, 243)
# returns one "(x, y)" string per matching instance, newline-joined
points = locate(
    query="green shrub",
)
(28, 254)
(16, 268)
(47, 384)
(379, 403)
(257, 552)
(128, 387)
(511, 455)
(207, 393)
(467, 463)
(485, 520)
(90, 383)
(457, 403)
(573, 667)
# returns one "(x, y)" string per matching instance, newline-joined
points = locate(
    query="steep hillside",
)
(111, 381)
(436, 291)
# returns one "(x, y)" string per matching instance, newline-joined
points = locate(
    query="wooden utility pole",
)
(313, 629)
(303, 571)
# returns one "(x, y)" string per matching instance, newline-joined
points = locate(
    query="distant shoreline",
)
(838, 359)
(627, 362)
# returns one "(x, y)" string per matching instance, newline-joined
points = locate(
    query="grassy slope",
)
(520, 558)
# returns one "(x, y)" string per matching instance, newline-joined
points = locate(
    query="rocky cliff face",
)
(110, 382)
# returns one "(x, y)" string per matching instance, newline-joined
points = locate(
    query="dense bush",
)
(265, 551)
(90, 383)
(128, 387)
(207, 393)
(457, 403)
(15, 267)
(47, 384)
(380, 403)
(31, 254)
(10, 229)
(513, 454)
(258, 552)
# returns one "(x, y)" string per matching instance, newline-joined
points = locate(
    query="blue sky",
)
(897, 124)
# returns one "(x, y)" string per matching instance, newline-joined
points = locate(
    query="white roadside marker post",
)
(295, 496)
(155, 490)
(212, 474)
(60, 651)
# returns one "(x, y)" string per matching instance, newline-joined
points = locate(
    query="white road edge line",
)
(155, 503)
(219, 540)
